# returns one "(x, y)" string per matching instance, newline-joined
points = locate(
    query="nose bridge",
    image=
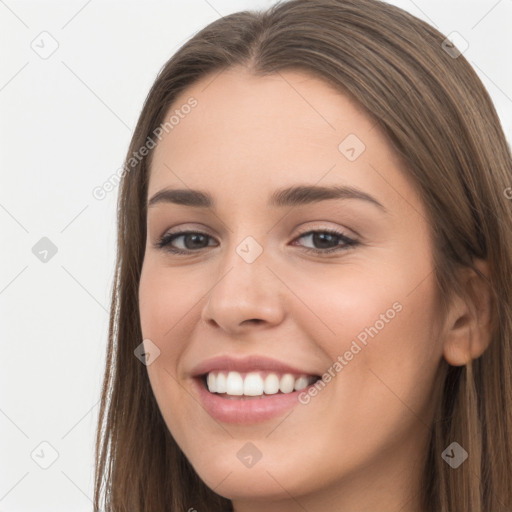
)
(244, 270)
(245, 288)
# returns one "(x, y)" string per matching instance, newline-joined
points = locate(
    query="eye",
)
(329, 240)
(192, 241)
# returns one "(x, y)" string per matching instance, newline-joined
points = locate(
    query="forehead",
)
(248, 133)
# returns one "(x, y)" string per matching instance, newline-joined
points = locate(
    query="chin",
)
(270, 478)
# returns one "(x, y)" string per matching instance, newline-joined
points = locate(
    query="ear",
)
(468, 322)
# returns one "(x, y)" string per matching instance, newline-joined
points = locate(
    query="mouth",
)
(260, 384)
(250, 398)
(251, 389)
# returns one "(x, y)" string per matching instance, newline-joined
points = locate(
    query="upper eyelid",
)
(203, 229)
(188, 230)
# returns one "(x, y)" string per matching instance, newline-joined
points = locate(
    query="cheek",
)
(165, 299)
(342, 304)
(168, 307)
(162, 308)
(379, 329)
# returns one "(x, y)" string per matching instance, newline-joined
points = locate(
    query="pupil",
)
(320, 239)
(193, 236)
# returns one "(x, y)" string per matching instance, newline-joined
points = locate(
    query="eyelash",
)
(163, 243)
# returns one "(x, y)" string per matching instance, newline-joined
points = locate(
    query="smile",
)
(251, 389)
(256, 383)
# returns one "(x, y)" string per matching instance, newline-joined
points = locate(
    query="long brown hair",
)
(437, 115)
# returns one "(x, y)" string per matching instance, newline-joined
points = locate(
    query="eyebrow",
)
(291, 196)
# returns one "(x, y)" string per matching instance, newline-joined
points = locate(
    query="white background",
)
(65, 123)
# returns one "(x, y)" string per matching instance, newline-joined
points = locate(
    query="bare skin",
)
(358, 445)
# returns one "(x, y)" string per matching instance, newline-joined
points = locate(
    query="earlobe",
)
(468, 322)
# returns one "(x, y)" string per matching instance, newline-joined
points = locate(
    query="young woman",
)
(312, 303)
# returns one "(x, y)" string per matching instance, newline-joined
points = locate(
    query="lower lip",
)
(246, 410)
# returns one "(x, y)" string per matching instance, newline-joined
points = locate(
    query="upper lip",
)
(246, 364)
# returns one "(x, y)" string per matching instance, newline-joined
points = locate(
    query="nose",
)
(245, 294)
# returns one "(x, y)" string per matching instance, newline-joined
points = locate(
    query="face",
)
(296, 331)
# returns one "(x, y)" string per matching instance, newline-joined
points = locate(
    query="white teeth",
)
(221, 383)
(287, 383)
(212, 384)
(300, 383)
(234, 384)
(253, 384)
(271, 385)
